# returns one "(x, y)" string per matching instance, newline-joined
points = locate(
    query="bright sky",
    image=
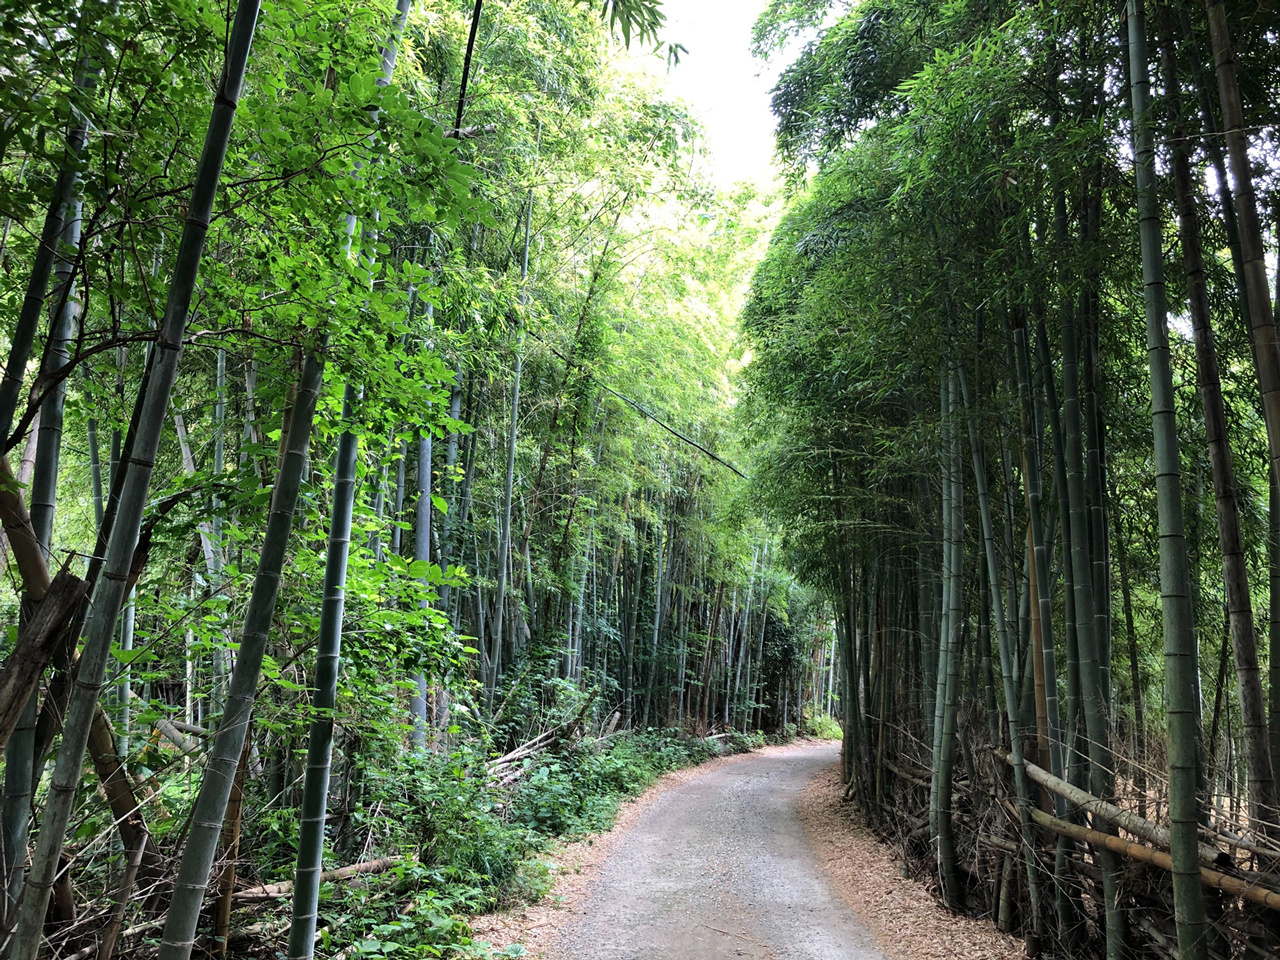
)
(724, 84)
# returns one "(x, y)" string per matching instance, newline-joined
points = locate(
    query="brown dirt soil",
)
(576, 864)
(908, 923)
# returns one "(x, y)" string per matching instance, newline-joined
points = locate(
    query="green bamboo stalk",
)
(44, 479)
(216, 786)
(984, 652)
(450, 461)
(504, 535)
(1066, 900)
(924, 560)
(948, 860)
(315, 790)
(20, 751)
(1253, 266)
(1040, 552)
(95, 470)
(421, 552)
(1073, 756)
(220, 769)
(944, 631)
(220, 655)
(1211, 142)
(1007, 654)
(1235, 570)
(1273, 627)
(1183, 708)
(64, 207)
(1092, 686)
(1095, 490)
(109, 589)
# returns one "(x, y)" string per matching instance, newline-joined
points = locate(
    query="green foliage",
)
(578, 791)
(821, 727)
(472, 848)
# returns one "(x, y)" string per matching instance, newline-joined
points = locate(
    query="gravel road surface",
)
(720, 867)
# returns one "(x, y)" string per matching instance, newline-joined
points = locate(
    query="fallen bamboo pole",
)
(283, 889)
(1138, 826)
(1158, 858)
(905, 775)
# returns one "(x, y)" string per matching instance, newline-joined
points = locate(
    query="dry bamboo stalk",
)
(1138, 826)
(1158, 858)
(284, 888)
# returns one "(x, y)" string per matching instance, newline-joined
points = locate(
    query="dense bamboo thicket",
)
(407, 452)
(1013, 400)
(370, 501)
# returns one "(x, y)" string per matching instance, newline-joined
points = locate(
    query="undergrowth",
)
(471, 848)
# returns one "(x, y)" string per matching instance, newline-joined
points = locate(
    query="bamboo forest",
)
(424, 433)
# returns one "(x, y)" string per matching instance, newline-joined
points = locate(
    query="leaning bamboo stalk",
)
(21, 676)
(93, 949)
(112, 932)
(22, 337)
(21, 535)
(126, 810)
(1262, 331)
(231, 856)
(525, 750)
(1235, 570)
(224, 758)
(26, 467)
(207, 545)
(1157, 858)
(37, 640)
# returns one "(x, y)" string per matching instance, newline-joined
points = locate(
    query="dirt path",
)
(720, 867)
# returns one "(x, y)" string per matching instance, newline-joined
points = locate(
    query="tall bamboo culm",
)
(1181, 668)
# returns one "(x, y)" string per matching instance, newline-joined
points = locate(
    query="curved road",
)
(720, 867)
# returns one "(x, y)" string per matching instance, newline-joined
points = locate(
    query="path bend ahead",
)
(720, 867)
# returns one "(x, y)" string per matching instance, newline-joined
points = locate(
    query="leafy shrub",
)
(476, 849)
(578, 791)
(824, 727)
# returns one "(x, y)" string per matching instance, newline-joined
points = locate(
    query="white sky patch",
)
(727, 88)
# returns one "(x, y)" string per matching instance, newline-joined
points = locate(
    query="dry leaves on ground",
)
(907, 922)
